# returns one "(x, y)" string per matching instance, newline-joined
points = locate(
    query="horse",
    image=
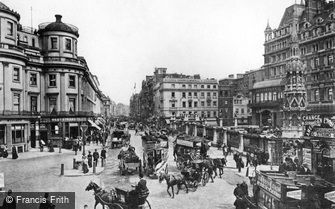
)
(172, 180)
(101, 196)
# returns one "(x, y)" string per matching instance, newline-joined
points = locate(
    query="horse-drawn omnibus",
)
(187, 149)
(155, 155)
(119, 138)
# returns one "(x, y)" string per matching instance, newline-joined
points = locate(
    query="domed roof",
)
(59, 26)
(6, 9)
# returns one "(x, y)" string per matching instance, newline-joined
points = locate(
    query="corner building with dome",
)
(47, 91)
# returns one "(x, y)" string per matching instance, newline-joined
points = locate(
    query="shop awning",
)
(94, 125)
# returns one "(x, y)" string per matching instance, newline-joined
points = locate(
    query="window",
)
(202, 104)
(184, 104)
(173, 105)
(183, 94)
(226, 102)
(173, 85)
(52, 104)
(17, 134)
(2, 134)
(195, 104)
(189, 104)
(208, 103)
(16, 102)
(189, 94)
(33, 79)
(202, 94)
(195, 86)
(68, 44)
(25, 39)
(214, 94)
(237, 110)
(274, 96)
(54, 43)
(208, 86)
(214, 86)
(189, 86)
(330, 94)
(270, 96)
(172, 94)
(16, 74)
(208, 94)
(184, 86)
(242, 111)
(208, 113)
(33, 104)
(214, 103)
(72, 104)
(195, 94)
(10, 28)
(202, 86)
(33, 42)
(52, 80)
(317, 98)
(257, 97)
(262, 97)
(214, 113)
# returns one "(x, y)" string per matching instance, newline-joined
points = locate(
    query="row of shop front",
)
(26, 133)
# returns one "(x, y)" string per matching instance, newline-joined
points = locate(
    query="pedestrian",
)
(75, 148)
(96, 157)
(14, 152)
(235, 156)
(5, 151)
(85, 166)
(9, 201)
(240, 163)
(89, 159)
(248, 159)
(229, 149)
(103, 154)
(251, 172)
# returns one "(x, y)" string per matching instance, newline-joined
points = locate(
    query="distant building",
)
(189, 98)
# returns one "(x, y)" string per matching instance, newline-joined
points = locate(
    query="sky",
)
(124, 40)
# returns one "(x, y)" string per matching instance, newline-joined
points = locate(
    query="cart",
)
(129, 162)
(119, 138)
(126, 201)
(155, 155)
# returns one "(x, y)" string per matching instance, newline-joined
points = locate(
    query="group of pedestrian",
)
(4, 152)
(226, 149)
(241, 193)
(239, 161)
(93, 158)
(294, 165)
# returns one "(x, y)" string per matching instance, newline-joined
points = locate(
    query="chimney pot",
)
(58, 18)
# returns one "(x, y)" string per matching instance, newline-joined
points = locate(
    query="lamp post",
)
(83, 129)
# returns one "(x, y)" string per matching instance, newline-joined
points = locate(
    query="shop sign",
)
(330, 196)
(296, 194)
(184, 143)
(319, 126)
(68, 119)
(307, 157)
(2, 180)
(269, 185)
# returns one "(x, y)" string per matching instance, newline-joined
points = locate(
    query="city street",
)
(214, 195)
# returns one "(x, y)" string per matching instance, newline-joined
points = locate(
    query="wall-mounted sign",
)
(269, 185)
(319, 125)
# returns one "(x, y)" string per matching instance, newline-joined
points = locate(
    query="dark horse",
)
(172, 180)
(101, 196)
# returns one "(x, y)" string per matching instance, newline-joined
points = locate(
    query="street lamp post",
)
(83, 130)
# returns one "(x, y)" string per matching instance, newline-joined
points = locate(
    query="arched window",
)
(295, 120)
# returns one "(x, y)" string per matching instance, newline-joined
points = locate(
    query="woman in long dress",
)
(14, 153)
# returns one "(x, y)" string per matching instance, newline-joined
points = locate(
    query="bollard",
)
(102, 162)
(74, 163)
(94, 166)
(61, 169)
(60, 150)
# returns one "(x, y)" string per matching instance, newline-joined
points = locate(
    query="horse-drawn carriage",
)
(186, 149)
(118, 198)
(195, 174)
(129, 161)
(155, 155)
(119, 138)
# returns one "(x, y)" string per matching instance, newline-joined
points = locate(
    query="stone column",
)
(215, 136)
(225, 140)
(241, 145)
(221, 122)
(195, 130)
(271, 150)
(186, 128)
(79, 106)
(204, 133)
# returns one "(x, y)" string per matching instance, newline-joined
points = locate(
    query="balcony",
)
(64, 60)
(12, 50)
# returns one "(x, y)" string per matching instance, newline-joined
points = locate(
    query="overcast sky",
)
(123, 40)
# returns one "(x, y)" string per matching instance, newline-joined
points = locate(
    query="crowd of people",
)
(4, 152)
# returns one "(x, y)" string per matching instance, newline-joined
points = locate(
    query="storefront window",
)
(17, 134)
(2, 134)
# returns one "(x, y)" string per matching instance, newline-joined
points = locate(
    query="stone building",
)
(44, 85)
